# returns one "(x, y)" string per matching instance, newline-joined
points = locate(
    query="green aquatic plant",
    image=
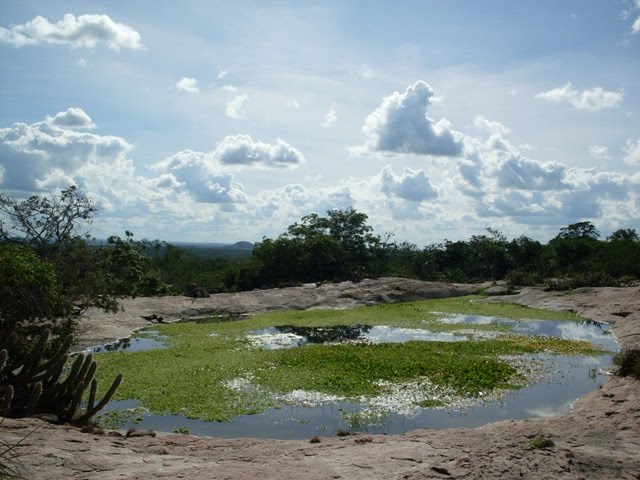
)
(363, 419)
(211, 371)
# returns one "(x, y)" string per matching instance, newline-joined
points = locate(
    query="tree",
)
(620, 255)
(40, 220)
(574, 249)
(624, 235)
(585, 230)
(123, 269)
(56, 228)
(351, 241)
(525, 254)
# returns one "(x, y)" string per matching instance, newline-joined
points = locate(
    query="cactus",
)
(34, 386)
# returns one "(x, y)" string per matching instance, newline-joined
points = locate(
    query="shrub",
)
(522, 278)
(540, 441)
(628, 362)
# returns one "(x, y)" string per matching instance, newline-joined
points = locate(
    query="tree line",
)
(46, 254)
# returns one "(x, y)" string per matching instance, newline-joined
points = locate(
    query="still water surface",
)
(567, 378)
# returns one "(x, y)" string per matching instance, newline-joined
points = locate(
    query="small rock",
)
(132, 432)
(441, 470)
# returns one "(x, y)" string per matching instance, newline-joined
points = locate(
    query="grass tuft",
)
(628, 362)
(540, 441)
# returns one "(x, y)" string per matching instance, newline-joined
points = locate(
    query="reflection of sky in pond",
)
(595, 332)
(288, 337)
(291, 336)
(132, 344)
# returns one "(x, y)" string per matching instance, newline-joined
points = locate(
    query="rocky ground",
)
(598, 439)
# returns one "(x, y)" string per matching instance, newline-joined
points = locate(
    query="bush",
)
(30, 299)
(523, 279)
(628, 362)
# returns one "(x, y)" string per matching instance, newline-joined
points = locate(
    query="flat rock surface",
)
(598, 439)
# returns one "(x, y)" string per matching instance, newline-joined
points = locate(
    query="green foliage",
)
(540, 441)
(30, 300)
(55, 229)
(29, 289)
(341, 246)
(620, 255)
(580, 230)
(125, 270)
(336, 247)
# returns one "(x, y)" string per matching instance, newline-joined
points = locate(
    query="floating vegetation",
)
(395, 360)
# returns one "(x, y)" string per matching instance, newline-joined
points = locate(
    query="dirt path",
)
(598, 439)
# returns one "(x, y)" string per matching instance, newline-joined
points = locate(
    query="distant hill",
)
(218, 250)
(240, 246)
(241, 249)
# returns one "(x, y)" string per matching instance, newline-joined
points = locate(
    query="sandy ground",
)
(598, 439)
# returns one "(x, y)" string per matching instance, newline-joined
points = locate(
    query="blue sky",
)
(224, 121)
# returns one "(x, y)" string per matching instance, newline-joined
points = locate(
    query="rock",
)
(501, 290)
(195, 291)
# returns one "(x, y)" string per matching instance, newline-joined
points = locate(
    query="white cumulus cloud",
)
(526, 174)
(412, 185)
(330, 117)
(635, 28)
(200, 175)
(82, 31)
(188, 85)
(600, 152)
(51, 151)
(235, 107)
(366, 72)
(401, 125)
(71, 118)
(502, 183)
(594, 99)
(632, 152)
(242, 150)
(206, 176)
(490, 126)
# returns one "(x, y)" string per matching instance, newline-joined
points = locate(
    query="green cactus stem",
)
(35, 386)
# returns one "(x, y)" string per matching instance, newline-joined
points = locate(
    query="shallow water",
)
(589, 330)
(132, 344)
(573, 377)
(290, 336)
(566, 379)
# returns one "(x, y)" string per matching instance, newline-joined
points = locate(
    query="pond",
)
(555, 382)
(151, 340)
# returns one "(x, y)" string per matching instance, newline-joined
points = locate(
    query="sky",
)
(220, 121)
